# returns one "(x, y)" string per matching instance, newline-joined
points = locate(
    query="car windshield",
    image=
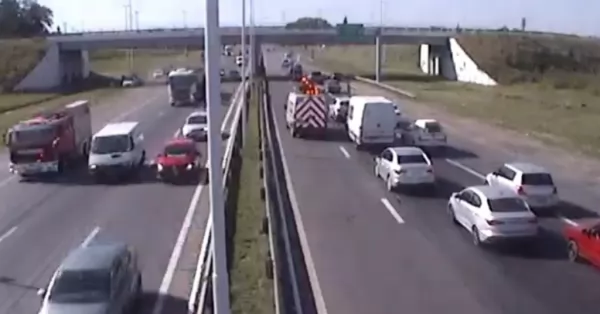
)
(111, 144)
(200, 119)
(181, 81)
(507, 205)
(433, 127)
(411, 159)
(537, 179)
(87, 286)
(179, 149)
(32, 136)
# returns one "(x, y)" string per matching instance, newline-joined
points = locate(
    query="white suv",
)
(533, 183)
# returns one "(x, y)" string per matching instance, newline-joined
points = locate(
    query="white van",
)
(371, 121)
(116, 149)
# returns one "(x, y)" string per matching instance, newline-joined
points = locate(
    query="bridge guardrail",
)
(200, 300)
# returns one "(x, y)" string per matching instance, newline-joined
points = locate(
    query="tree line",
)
(24, 18)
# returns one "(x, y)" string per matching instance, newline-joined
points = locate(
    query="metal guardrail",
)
(200, 300)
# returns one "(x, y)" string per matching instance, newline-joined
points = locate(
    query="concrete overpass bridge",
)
(67, 58)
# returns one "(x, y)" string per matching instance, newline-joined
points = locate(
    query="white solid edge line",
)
(465, 168)
(310, 265)
(90, 237)
(8, 233)
(177, 250)
(392, 210)
(345, 152)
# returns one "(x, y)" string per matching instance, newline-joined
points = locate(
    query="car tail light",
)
(521, 191)
(494, 222)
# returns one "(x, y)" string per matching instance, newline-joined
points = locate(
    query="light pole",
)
(212, 46)
(244, 117)
(252, 40)
(137, 20)
(184, 16)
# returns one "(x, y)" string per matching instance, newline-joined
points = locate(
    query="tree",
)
(523, 24)
(309, 23)
(25, 18)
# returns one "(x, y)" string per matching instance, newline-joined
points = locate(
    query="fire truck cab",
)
(51, 141)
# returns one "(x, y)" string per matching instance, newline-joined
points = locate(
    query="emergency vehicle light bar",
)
(308, 87)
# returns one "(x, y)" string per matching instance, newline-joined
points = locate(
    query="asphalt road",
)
(41, 222)
(379, 252)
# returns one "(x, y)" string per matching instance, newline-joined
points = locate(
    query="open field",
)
(251, 289)
(549, 86)
(116, 63)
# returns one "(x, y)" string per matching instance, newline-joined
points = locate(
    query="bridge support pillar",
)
(378, 58)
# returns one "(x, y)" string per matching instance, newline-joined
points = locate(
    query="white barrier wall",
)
(466, 69)
(424, 58)
(45, 75)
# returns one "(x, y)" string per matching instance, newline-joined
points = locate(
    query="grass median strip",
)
(251, 289)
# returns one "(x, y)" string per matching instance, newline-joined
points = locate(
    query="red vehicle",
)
(180, 159)
(49, 142)
(584, 240)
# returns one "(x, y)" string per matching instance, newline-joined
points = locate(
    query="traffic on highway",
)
(104, 205)
(399, 213)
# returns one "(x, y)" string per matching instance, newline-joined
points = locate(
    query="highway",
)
(41, 222)
(372, 251)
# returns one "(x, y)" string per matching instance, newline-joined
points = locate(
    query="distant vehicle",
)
(286, 63)
(117, 149)
(338, 111)
(583, 240)
(296, 72)
(317, 77)
(492, 213)
(306, 111)
(180, 159)
(425, 133)
(333, 87)
(131, 81)
(222, 72)
(405, 167)
(158, 74)
(101, 278)
(50, 142)
(186, 87)
(196, 126)
(239, 60)
(531, 182)
(234, 74)
(228, 50)
(371, 121)
(336, 76)
(289, 55)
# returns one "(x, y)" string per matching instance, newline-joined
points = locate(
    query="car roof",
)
(493, 192)
(407, 150)
(93, 257)
(119, 128)
(198, 114)
(424, 121)
(527, 167)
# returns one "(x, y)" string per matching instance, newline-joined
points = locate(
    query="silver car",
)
(492, 213)
(102, 278)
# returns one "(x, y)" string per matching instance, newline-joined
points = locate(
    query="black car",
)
(317, 77)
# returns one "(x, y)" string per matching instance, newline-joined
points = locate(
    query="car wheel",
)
(376, 171)
(573, 251)
(476, 236)
(451, 214)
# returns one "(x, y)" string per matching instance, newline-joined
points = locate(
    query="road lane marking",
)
(176, 134)
(90, 237)
(345, 152)
(8, 233)
(392, 210)
(177, 250)
(465, 168)
(134, 109)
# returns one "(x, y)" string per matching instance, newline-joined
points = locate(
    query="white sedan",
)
(492, 213)
(196, 126)
(404, 166)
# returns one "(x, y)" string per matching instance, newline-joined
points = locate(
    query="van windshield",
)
(199, 119)
(111, 144)
(537, 179)
(433, 127)
(39, 135)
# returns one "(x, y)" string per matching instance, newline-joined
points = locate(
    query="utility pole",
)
(252, 42)
(130, 5)
(212, 46)
(244, 104)
(137, 20)
(184, 16)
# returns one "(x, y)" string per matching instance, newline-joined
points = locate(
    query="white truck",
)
(50, 142)
(185, 87)
(306, 111)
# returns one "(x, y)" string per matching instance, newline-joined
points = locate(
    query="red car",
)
(180, 159)
(584, 240)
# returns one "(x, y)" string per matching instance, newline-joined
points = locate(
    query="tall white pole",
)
(212, 47)
(244, 117)
(252, 40)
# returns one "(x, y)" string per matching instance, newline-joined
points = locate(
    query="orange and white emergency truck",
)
(306, 110)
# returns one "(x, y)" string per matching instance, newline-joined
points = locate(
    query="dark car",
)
(94, 278)
(333, 86)
(317, 77)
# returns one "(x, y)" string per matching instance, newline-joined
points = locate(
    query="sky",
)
(565, 16)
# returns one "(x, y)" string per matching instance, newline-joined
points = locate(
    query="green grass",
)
(116, 63)
(554, 96)
(17, 58)
(251, 289)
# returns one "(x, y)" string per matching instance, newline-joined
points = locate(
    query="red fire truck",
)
(49, 142)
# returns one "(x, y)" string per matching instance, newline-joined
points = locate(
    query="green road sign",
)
(350, 31)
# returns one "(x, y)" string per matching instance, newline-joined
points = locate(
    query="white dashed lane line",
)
(392, 210)
(345, 152)
(90, 237)
(7, 234)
